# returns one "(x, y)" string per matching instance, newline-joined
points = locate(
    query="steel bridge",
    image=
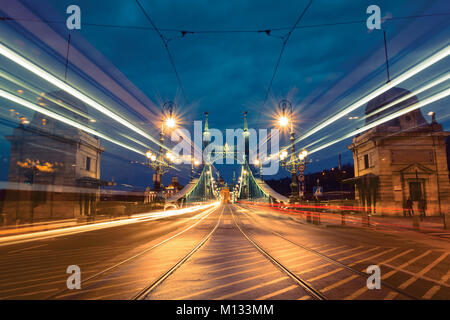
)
(248, 187)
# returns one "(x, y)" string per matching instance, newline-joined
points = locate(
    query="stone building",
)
(54, 169)
(173, 188)
(403, 158)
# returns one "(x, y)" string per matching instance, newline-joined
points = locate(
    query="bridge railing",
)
(197, 191)
(255, 189)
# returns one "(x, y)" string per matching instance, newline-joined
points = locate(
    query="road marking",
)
(28, 260)
(320, 247)
(122, 293)
(226, 252)
(328, 264)
(121, 276)
(278, 292)
(371, 257)
(430, 293)
(29, 294)
(225, 276)
(228, 262)
(340, 247)
(423, 271)
(358, 253)
(226, 256)
(94, 289)
(324, 275)
(361, 291)
(399, 268)
(251, 288)
(225, 285)
(122, 283)
(287, 254)
(340, 252)
(339, 283)
(391, 295)
(234, 266)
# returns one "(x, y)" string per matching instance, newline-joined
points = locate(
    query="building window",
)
(366, 161)
(88, 163)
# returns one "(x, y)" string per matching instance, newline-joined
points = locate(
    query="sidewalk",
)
(428, 223)
(433, 224)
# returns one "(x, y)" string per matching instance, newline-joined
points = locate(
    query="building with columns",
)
(404, 158)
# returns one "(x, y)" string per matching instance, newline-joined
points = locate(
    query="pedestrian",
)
(422, 208)
(409, 207)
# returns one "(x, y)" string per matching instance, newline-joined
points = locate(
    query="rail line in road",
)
(203, 216)
(334, 261)
(331, 261)
(316, 294)
(146, 291)
(230, 266)
(233, 255)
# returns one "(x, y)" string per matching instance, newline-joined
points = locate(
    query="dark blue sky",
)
(322, 68)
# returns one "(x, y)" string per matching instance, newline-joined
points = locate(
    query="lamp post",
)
(257, 163)
(194, 163)
(291, 164)
(156, 161)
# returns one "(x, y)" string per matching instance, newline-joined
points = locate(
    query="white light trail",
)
(14, 239)
(9, 77)
(394, 115)
(13, 56)
(436, 82)
(63, 119)
(403, 77)
(412, 94)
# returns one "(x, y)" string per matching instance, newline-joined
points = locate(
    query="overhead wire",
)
(224, 31)
(283, 46)
(166, 46)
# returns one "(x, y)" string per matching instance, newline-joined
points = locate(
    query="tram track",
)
(202, 217)
(331, 260)
(316, 294)
(147, 290)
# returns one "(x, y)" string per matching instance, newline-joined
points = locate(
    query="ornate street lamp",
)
(157, 162)
(292, 163)
(257, 163)
(194, 163)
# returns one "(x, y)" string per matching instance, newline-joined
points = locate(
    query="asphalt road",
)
(227, 252)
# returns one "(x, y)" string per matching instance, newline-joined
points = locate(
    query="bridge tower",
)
(206, 134)
(246, 138)
(206, 141)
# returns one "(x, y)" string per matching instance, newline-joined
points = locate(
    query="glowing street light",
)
(258, 164)
(302, 155)
(283, 155)
(291, 165)
(284, 121)
(170, 122)
(157, 161)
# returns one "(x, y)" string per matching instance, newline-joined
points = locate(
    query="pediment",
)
(412, 168)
